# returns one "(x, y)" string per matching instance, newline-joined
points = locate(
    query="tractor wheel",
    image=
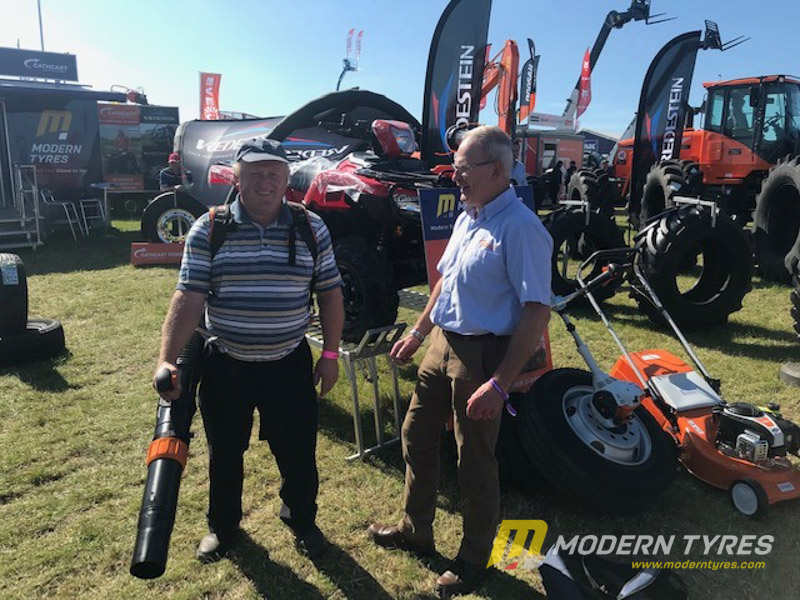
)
(704, 295)
(608, 467)
(585, 186)
(574, 240)
(777, 219)
(664, 181)
(794, 296)
(693, 176)
(13, 295)
(370, 299)
(169, 217)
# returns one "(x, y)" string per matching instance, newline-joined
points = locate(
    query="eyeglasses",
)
(464, 169)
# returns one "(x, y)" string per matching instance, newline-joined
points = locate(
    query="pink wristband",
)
(330, 354)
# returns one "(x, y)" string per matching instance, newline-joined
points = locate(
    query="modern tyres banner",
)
(662, 109)
(454, 76)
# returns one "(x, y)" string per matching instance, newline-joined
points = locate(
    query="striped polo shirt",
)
(257, 306)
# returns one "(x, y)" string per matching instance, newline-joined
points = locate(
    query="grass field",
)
(73, 435)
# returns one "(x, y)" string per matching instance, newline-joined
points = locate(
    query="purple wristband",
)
(511, 410)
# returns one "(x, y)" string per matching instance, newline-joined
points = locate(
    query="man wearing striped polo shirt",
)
(254, 305)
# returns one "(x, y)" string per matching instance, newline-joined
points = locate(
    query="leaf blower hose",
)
(166, 459)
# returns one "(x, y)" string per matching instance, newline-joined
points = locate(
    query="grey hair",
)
(494, 144)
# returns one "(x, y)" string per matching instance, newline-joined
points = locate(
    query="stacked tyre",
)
(23, 339)
(665, 180)
(697, 296)
(576, 235)
(592, 187)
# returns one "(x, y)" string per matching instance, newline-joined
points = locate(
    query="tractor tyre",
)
(794, 296)
(573, 236)
(13, 295)
(370, 299)
(585, 186)
(169, 217)
(663, 250)
(42, 338)
(664, 181)
(608, 468)
(777, 220)
(693, 176)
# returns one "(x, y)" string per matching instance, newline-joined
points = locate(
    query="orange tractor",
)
(745, 157)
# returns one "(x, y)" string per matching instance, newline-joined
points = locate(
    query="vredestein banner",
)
(454, 76)
(525, 89)
(662, 109)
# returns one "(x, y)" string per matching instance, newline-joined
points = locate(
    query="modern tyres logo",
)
(54, 121)
(446, 205)
(521, 529)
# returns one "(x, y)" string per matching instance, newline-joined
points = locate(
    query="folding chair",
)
(70, 212)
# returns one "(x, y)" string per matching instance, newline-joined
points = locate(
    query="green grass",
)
(73, 435)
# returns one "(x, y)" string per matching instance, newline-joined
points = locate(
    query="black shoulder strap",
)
(220, 224)
(301, 223)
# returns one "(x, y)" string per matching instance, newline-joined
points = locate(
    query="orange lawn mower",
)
(738, 446)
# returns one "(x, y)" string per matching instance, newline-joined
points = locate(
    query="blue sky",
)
(276, 55)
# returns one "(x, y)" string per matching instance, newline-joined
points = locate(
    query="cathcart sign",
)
(143, 253)
(32, 63)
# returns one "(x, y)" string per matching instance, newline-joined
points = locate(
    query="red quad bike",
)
(369, 201)
(739, 447)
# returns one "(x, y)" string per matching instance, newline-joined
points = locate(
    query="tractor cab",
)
(749, 124)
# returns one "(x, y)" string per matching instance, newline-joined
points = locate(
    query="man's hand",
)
(327, 370)
(485, 403)
(175, 392)
(404, 349)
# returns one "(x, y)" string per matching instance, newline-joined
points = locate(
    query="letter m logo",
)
(55, 121)
(447, 204)
(520, 530)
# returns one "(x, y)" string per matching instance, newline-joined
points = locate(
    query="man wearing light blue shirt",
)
(485, 316)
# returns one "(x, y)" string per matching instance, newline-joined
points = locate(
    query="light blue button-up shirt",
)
(494, 263)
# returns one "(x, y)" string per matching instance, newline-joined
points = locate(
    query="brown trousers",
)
(452, 369)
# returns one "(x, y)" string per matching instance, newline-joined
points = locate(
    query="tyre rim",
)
(744, 499)
(174, 224)
(628, 445)
(353, 293)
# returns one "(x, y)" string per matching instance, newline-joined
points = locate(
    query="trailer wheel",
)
(169, 217)
(13, 294)
(585, 186)
(610, 469)
(42, 338)
(573, 238)
(370, 299)
(664, 181)
(706, 295)
(749, 498)
(777, 219)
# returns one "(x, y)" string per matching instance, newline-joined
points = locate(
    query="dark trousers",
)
(284, 394)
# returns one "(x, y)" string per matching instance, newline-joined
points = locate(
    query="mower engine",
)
(755, 433)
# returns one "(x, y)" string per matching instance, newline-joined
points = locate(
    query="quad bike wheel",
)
(777, 220)
(169, 217)
(370, 299)
(707, 294)
(609, 467)
(749, 497)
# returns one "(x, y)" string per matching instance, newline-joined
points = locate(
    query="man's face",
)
(175, 165)
(477, 177)
(262, 184)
